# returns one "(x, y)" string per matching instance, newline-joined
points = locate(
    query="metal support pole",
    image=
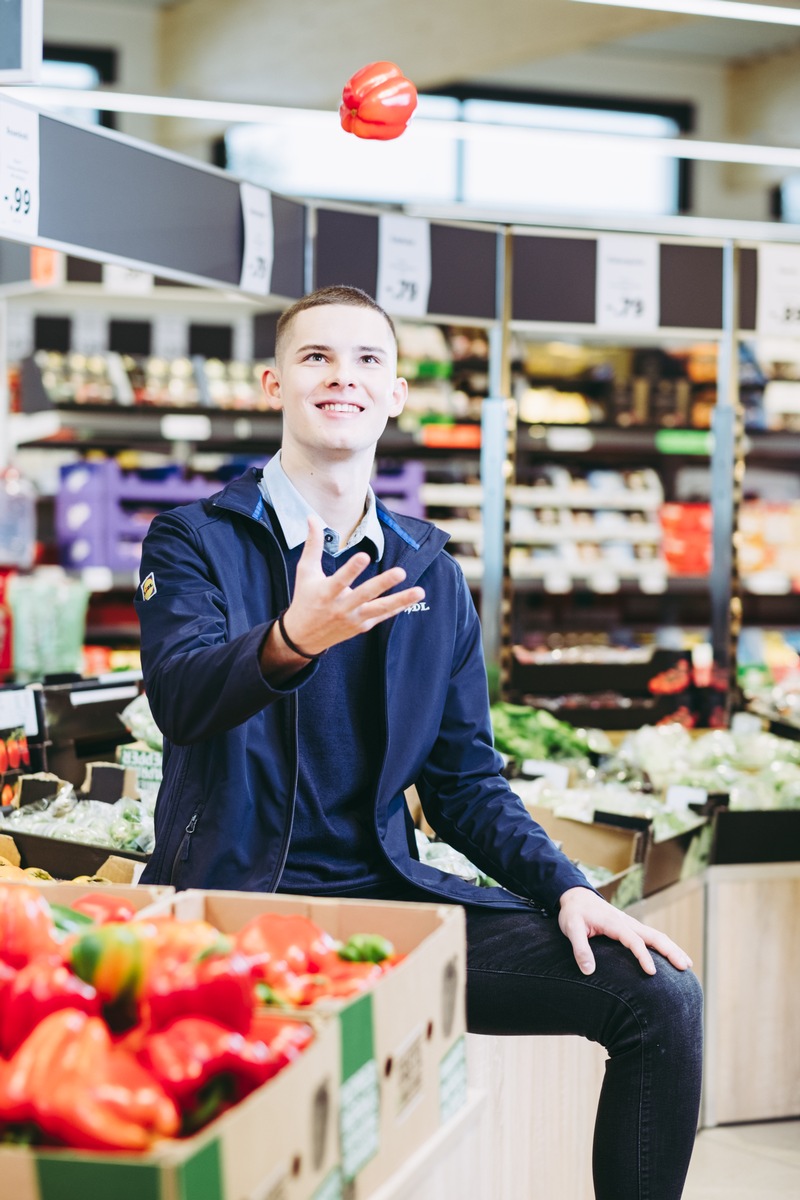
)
(5, 396)
(727, 474)
(498, 442)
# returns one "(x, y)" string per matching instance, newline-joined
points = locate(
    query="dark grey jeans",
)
(522, 978)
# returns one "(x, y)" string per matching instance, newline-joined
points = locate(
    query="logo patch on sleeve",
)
(149, 588)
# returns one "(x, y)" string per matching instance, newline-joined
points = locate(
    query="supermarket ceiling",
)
(299, 52)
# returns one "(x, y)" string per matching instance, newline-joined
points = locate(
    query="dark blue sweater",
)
(341, 726)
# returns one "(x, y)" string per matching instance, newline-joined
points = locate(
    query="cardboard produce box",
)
(403, 1062)
(279, 1143)
(618, 850)
(670, 859)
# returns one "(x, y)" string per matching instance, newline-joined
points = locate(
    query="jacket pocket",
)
(181, 860)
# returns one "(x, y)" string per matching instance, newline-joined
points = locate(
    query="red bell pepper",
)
(219, 986)
(285, 1038)
(282, 946)
(71, 1083)
(196, 1060)
(103, 909)
(26, 925)
(40, 988)
(377, 102)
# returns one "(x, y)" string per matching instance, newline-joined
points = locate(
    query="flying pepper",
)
(377, 102)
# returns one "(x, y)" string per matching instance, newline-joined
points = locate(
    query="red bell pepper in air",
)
(377, 102)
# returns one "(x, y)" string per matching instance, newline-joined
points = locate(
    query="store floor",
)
(746, 1162)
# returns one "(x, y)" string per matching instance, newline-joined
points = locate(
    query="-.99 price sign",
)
(19, 171)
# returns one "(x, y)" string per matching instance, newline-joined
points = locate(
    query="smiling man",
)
(308, 656)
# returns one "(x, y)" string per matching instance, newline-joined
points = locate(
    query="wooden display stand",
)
(752, 1066)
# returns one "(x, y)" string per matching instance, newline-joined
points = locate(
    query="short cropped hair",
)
(339, 293)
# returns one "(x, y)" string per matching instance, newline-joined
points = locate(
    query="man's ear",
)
(399, 397)
(271, 385)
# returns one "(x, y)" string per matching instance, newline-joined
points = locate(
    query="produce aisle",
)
(207, 1017)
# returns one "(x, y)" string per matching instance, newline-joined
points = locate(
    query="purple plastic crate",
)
(399, 488)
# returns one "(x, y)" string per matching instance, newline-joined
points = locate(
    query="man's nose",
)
(340, 374)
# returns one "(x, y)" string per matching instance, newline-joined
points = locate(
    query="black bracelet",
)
(293, 645)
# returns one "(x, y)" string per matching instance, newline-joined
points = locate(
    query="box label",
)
(359, 1111)
(331, 1188)
(359, 1116)
(453, 1081)
(409, 1067)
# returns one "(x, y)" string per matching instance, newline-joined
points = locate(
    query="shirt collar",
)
(293, 510)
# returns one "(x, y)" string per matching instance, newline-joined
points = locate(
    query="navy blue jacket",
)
(215, 579)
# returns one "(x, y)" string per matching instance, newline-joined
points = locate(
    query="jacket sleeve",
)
(467, 800)
(198, 681)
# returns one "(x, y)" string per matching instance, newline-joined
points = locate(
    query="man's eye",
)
(370, 358)
(315, 356)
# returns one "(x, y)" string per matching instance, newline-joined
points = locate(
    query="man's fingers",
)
(638, 948)
(576, 932)
(669, 949)
(346, 575)
(312, 550)
(389, 606)
(370, 589)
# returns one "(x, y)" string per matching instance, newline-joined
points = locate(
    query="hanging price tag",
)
(627, 282)
(259, 239)
(778, 297)
(404, 265)
(19, 171)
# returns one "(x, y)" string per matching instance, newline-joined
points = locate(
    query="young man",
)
(308, 657)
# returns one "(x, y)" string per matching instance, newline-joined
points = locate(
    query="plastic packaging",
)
(17, 520)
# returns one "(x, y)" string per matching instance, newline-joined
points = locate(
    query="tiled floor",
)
(746, 1162)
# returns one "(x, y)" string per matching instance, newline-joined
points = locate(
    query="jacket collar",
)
(416, 543)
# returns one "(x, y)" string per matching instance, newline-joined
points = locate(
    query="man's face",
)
(336, 380)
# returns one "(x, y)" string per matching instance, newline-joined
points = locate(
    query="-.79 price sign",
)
(19, 171)
(627, 282)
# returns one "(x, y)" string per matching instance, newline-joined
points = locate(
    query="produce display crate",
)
(279, 1142)
(665, 861)
(403, 1060)
(619, 850)
(63, 859)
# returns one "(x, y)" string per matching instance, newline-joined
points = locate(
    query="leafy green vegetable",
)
(525, 732)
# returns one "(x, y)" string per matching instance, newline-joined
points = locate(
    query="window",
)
(81, 68)
(544, 174)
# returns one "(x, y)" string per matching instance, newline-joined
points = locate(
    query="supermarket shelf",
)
(594, 532)
(780, 726)
(611, 441)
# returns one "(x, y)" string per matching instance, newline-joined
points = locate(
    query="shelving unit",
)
(521, 286)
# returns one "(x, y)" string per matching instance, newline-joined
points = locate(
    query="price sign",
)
(778, 297)
(404, 265)
(259, 239)
(127, 281)
(19, 171)
(627, 283)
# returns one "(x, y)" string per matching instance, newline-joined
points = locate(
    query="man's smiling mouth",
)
(339, 406)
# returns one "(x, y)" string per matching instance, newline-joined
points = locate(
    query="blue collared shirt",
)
(293, 511)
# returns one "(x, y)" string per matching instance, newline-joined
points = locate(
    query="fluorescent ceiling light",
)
(521, 138)
(770, 14)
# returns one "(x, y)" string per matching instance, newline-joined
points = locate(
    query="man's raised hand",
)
(328, 609)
